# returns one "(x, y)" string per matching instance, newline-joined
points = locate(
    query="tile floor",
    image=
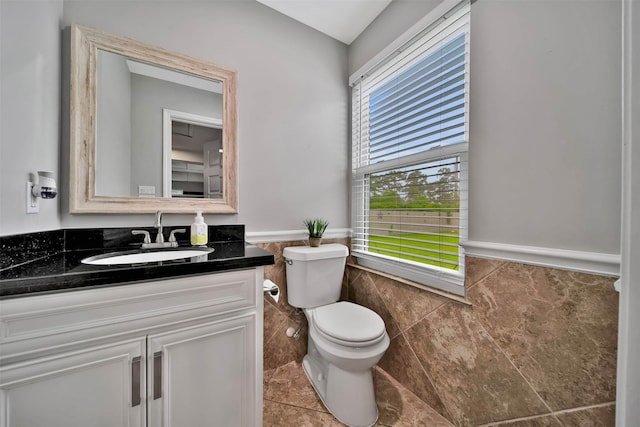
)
(290, 401)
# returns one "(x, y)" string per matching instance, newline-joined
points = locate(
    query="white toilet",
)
(345, 339)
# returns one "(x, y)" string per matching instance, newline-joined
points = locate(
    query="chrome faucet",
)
(158, 224)
(159, 243)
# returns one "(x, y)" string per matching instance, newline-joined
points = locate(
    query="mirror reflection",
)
(194, 150)
(158, 131)
(149, 129)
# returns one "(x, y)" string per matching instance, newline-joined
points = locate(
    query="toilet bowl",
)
(345, 339)
(340, 357)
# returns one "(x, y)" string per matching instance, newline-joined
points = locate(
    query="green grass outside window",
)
(422, 245)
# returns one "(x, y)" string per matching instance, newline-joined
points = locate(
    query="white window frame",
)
(396, 57)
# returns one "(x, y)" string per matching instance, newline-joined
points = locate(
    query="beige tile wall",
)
(536, 346)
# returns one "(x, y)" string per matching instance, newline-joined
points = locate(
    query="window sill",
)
(447, 295)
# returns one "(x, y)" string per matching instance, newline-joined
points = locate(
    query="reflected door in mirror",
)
(195, 157)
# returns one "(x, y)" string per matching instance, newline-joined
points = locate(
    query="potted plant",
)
(316, 228)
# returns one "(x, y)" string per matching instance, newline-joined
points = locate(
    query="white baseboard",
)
(586, 262)
(254, 237)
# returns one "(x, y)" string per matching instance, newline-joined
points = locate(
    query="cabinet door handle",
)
(135, 381)
(157, 375)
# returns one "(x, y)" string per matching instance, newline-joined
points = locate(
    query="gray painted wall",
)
(545, 111)
(29, 109)
(293, 105)
(293, 128)
(545, 124)
(544, 119)
(113, 126)
(394, 20)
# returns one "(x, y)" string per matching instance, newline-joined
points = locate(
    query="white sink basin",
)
(141, 257)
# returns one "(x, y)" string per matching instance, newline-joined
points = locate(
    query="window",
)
(409, 158)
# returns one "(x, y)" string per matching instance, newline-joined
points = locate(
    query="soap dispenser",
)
(199, 231)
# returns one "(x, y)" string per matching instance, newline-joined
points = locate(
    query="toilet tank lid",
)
(308, 253)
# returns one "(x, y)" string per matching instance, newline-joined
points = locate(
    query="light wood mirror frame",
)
(85, 43)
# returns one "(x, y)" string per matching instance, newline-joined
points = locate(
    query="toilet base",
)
(348, 396)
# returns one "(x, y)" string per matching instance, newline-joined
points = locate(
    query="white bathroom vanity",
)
(183, 351)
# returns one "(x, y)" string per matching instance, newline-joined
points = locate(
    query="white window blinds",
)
(409, 145)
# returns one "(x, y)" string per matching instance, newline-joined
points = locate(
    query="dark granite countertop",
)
(54, 264)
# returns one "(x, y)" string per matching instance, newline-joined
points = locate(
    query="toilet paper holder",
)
(272, 289)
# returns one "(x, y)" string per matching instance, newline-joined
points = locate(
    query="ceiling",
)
(343, 20)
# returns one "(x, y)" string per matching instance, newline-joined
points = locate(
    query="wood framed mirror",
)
(122, 159)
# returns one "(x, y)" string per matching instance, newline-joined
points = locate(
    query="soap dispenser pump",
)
(199, 231)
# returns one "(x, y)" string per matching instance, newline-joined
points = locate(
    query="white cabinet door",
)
(90, 388)
(205, 375)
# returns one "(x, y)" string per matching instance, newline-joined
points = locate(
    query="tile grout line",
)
(276, 329)
(553, 414)
(428, 378)
(544, 402)
(444, 303)
(423, 288)
(504, 353)
(515, 420)
(474, 284)
(415, 395)
(582, 408)
(445, 299)
(297, 406)
(402, 333)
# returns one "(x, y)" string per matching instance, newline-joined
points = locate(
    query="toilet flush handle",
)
(288, 261)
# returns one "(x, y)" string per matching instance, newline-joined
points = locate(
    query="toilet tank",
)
(314, 275)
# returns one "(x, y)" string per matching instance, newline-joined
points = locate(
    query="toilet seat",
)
(348, 324)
